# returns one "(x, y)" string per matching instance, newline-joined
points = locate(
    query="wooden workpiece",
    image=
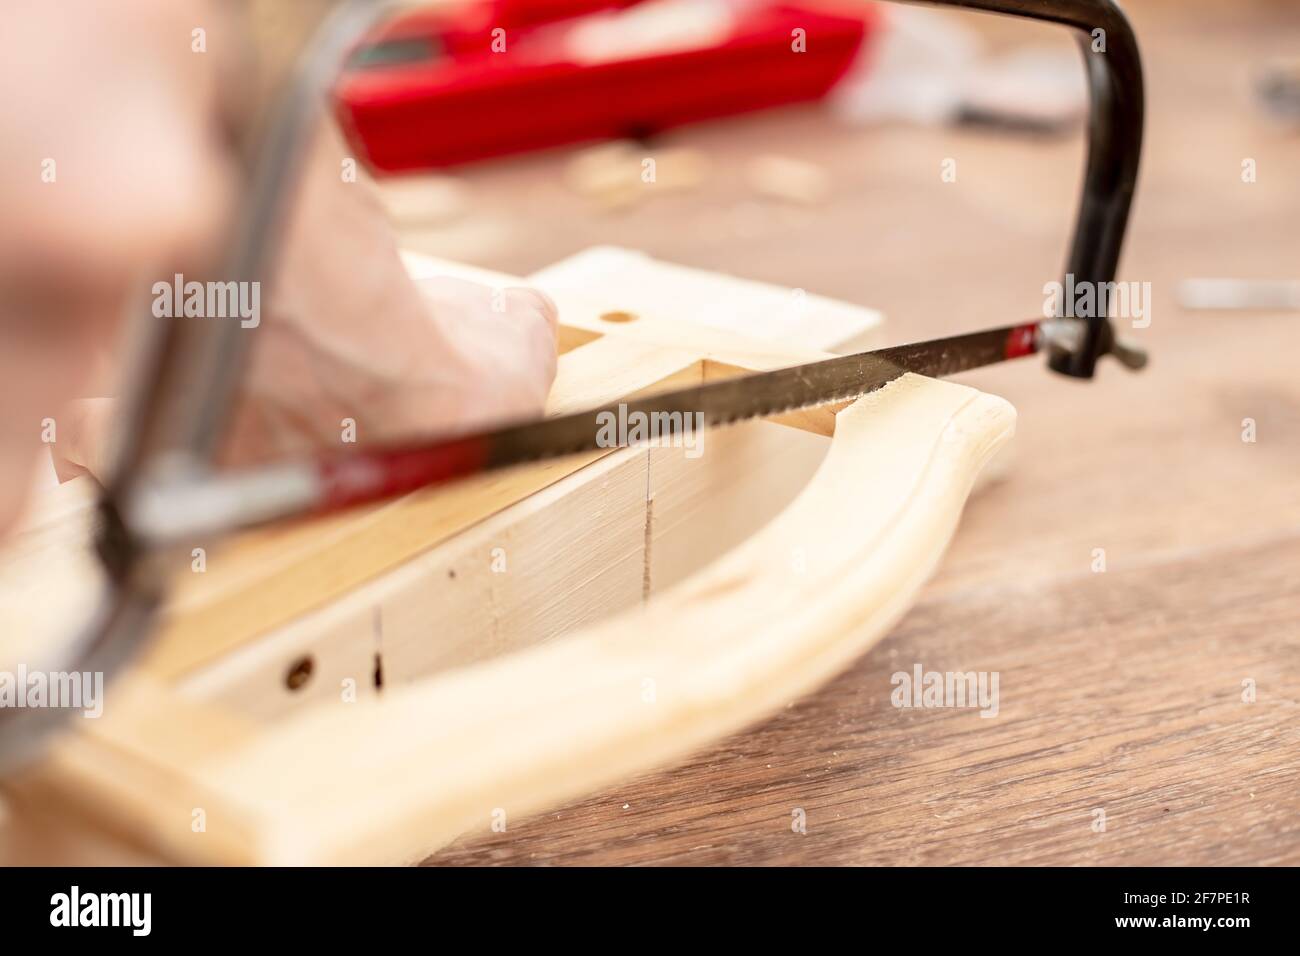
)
(395, 684)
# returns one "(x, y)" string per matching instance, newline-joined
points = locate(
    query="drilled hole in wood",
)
(299, 673)
(618, 316)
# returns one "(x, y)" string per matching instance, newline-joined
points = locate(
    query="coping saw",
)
(163, 485)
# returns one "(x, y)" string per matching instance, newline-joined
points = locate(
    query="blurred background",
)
(930, 169)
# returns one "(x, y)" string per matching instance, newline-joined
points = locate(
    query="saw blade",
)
(166, 511)
(667, 415)
(756, 395)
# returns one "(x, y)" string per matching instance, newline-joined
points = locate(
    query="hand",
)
(351, 347)
(345, 333)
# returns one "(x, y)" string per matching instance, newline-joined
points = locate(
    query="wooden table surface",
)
(1120, 691)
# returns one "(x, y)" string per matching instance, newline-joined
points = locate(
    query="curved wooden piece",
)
(392, 779)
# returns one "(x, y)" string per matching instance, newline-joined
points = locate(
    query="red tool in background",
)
(440, 87)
